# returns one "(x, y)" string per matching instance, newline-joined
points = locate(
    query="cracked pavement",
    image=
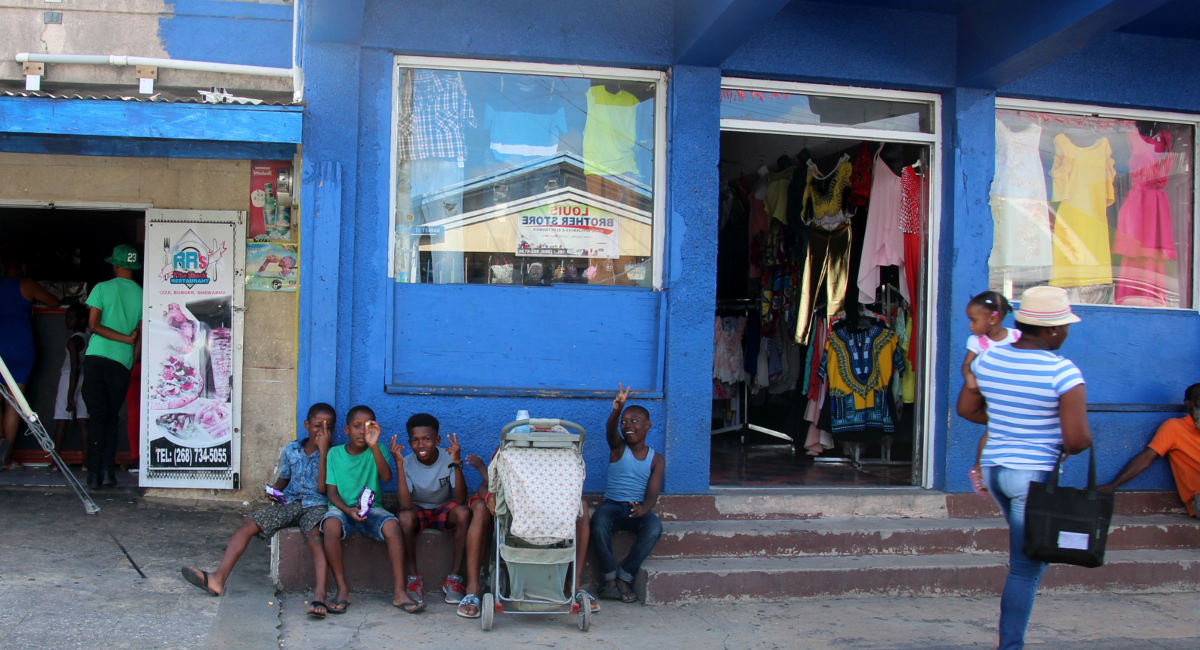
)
(64, 584)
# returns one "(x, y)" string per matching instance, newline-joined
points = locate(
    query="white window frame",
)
(932, 241)
(659, 79)
(1086, 110)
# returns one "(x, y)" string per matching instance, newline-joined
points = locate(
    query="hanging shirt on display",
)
(883, 244)
(859, 368)
(525, 121)
(1083, 186)
(439, 111)
(610, 134)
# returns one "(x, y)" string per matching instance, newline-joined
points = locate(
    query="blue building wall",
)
(228, 32)
(348, 122)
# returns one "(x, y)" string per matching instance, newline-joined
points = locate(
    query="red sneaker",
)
(416, 588)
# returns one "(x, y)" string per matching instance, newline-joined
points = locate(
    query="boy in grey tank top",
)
(634, 479)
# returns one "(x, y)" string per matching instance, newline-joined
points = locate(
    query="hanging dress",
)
(1021, 248)
(910, 226)
(828, 257)
(1083, 187)
(859, 368)
(1145, 236)
(883, 243)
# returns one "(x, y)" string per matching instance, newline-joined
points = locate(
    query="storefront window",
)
(788, 108)
(523, 179)
(1099, 206)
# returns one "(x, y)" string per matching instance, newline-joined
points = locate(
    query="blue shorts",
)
(372, 527)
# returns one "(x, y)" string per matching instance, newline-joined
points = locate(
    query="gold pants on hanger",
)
(828, 263)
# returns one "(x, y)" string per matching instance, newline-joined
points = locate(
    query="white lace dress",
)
(1021, 249)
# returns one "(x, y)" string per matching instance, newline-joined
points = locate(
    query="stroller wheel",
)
(487, 612)
(585, 615)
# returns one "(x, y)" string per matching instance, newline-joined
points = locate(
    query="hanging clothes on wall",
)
(829, 241)
(883, 243)
(1144, 234)
(861, 178)
(780, 277)
(911, 194)
(858, 367)
(1021, 248)
(1083, 186)
(727, 349)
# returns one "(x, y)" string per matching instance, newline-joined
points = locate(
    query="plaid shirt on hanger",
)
(433, 110)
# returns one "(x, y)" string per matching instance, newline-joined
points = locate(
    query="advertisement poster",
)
(272, 267)
(567, 229)
(188, 349)
(269, 218)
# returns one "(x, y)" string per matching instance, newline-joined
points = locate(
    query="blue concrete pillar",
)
(331, 93)
(694, 129)
(972, 165)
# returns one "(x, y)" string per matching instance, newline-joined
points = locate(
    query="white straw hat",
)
(1045, 306)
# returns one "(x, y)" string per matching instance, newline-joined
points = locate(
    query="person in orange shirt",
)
(1179, 440)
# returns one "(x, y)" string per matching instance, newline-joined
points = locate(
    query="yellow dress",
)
(1083, 188)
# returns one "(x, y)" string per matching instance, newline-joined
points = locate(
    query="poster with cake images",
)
(188, 349)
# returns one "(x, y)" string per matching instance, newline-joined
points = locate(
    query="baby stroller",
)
(536, 479)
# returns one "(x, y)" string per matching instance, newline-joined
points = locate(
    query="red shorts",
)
(436, 518)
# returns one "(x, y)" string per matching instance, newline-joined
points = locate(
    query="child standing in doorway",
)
(68, 405)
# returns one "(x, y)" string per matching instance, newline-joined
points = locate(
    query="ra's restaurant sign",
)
(568, 229)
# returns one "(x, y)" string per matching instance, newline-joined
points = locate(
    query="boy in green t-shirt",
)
(349, 469)
(115, 319)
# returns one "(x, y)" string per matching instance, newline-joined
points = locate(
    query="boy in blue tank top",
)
(634, 478)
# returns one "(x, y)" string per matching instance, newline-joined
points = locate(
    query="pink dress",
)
(1144, 235)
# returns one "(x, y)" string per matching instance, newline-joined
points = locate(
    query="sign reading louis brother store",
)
(567, 230)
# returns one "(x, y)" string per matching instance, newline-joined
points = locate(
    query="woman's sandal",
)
(337, 606)
(410, 608)
(312, 609)
(198, 578)
(470, 600)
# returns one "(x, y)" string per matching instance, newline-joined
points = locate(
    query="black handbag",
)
(1066, 525)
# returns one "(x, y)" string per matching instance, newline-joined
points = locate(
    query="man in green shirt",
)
(115, 319)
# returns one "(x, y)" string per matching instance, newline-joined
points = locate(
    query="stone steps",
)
(872, 535)
(692, 580)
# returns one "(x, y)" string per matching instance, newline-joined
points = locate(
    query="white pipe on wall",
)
(171, 64)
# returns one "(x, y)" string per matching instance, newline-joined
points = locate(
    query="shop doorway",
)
(64, 250)
(820, 323)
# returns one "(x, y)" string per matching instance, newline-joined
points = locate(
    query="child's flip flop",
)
(312, 607)
(337, 606)
(410, 608)
(198, 578)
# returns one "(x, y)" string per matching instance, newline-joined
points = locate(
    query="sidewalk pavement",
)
(65, 584)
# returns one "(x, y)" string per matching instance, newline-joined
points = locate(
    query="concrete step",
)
(682, 581)
(877, 535)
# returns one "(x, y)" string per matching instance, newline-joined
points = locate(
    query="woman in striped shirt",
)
(1034, 403)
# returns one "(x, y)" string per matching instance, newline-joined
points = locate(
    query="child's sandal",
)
(312, 609)
(337, 606)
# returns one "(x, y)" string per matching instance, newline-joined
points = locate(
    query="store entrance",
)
(64, 250)
(818, 323)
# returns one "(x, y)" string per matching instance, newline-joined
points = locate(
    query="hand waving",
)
(397, 450)
(622, 395)
(455, 449)
(373, 432)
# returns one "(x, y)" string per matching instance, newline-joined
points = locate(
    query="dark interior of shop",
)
(64, 250)
(761, 434)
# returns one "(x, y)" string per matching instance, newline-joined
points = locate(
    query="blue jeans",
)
(1009, 488)
(372, 527)
(611, 517)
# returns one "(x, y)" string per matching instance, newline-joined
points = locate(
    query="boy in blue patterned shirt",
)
(302, 505)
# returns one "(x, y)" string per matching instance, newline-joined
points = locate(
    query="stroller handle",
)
(544, 423)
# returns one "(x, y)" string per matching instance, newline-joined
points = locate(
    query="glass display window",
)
(533, 175)
(1100, 205)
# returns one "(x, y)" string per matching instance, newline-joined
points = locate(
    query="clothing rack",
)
(746, 306)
